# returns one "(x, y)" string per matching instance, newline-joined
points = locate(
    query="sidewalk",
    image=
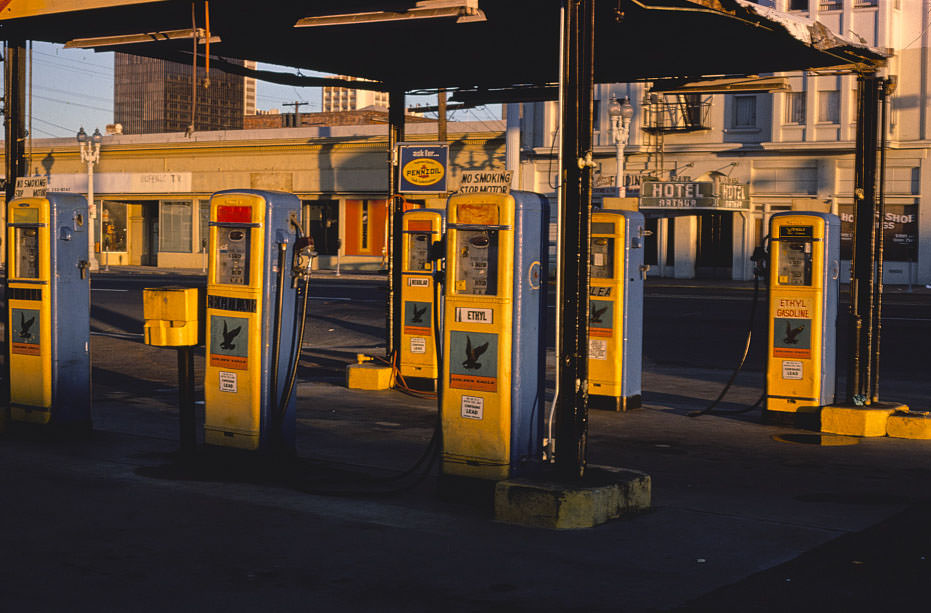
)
(113, 522)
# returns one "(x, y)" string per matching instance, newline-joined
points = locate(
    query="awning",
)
(515, 44)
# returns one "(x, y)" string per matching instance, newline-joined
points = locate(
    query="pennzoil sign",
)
(423, 168)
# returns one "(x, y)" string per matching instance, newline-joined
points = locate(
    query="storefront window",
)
(176, 221)
(113, 226)
(203, 231)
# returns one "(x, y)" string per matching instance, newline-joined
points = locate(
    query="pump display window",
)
(113, 226)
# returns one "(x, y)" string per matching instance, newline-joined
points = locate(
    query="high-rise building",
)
(249, 92)
(337, 99)
(152, 95)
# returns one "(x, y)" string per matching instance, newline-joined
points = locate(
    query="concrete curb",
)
(858, 420)
(605, 493)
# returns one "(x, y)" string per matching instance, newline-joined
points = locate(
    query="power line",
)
(72, 93)
(85, 106)
(54, 125)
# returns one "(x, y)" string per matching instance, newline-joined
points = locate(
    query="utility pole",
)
(297, 111)
(395, 210)
(441, 111)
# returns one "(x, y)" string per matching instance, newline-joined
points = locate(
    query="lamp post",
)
(620, 113)
(90, 154)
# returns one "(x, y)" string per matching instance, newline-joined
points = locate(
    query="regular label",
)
(597, 349)
(473, 407)
(418, 282)
(791, 369)
(229, 382)
(418, 344)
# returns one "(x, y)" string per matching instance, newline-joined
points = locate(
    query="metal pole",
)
(619, 158)
(14, 119)
(885, 89)
(188, 428)
(863, 265)
(576, 176)
(395, 209)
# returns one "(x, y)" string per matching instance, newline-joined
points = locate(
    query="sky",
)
(73, 88)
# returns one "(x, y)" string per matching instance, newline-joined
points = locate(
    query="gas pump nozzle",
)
(304, 255)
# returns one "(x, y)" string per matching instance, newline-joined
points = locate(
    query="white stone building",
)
(792, 147)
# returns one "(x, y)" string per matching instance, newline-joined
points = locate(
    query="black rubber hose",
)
(431, 452)
(743, 357)
(276, 346)
(297, 345)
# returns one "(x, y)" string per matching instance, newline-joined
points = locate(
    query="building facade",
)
(153, 96)
(153, 191)
(794, 149)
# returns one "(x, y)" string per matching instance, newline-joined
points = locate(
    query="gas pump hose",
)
(297, 344)
(277, 415)
(758, 272)
(421, 468)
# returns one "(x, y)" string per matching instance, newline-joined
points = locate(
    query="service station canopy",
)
(477, 45)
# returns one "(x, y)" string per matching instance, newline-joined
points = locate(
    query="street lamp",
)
(620, 113)
(90, 154)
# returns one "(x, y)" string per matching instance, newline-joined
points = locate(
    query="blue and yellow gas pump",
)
(803, 286)
(615, 320)
(422, 228)
(49, 310)
(253, 338)
(493, 358)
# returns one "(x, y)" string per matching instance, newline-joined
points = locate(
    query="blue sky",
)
(74, 88)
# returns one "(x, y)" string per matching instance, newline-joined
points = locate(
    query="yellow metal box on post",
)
(170, 315)
(171, 320)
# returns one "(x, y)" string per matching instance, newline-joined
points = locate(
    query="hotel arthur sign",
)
(694, 195)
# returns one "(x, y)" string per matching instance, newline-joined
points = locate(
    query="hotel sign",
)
(694, 195)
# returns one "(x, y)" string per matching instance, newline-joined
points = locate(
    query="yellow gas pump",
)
(615, 321)
(803, 287)
(422, 229)
(251, 333)
(492, 372)
(48, 318)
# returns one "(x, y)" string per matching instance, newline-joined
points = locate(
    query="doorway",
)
(149, 252)
(715, 253)
(322, 224)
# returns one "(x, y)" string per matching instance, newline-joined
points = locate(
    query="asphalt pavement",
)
(746, 516)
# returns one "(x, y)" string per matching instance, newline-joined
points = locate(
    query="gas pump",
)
(493, 358)
(803, 287)
(253, 338)
(49, 310)
(422, 229)
(615, 321)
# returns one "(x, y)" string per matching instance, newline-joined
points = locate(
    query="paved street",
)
(745, 516)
